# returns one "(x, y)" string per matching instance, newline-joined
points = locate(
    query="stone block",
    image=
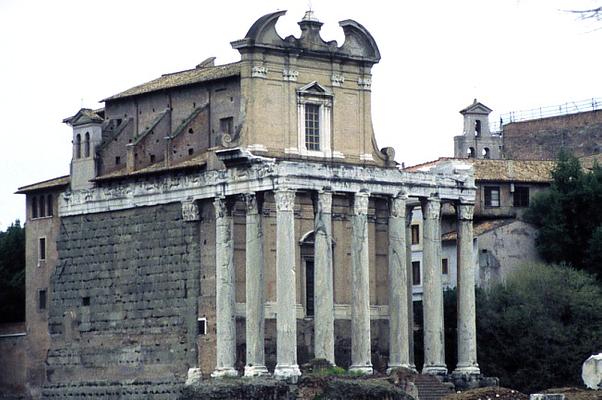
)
(591, 372)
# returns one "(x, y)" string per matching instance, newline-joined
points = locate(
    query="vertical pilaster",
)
(467, 331)
(286, 319)
(225, 290)
(360, 300)
(254, 294)
(323, 278)
(399, 355)
(410, 283)
(432, 297)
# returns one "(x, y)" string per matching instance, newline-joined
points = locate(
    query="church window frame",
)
(314, 110)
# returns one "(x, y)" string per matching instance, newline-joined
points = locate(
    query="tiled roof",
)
(500, 170)
(182, 78)
(587, 162)
(50, 183)
(195, 162)
(480, 227)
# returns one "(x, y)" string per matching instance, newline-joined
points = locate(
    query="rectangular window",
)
(492, 196)
(201, 326)
(312, 127)
(521, 196)
(49, 207)
(415, 234)
(34, 207)
(416, 273)
(117, 160)
(42, 299)
(444, 266)
(226, 125)
(42, 249)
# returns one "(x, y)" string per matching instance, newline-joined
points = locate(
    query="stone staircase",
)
(430, 388)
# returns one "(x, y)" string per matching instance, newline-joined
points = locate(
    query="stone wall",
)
(124, 296)
(542, 139)
(13, 373)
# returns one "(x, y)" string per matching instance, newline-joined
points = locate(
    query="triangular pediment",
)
(314, 88)
(85, 116)
(476, 108)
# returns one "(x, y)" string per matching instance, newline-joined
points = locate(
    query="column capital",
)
(190, 211)
(325, 201)
(398, 206)
(465, 211)
(222, 206)
(285, 199)
(431, 207)
(360, 203)
(251, 203)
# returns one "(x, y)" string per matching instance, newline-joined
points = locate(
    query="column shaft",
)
(225, 290)
(286, 288)
(432, 297)
(360, 299)
(410, 283)
(254, 293)
(323, 279)
(467, 331)
(399, 355)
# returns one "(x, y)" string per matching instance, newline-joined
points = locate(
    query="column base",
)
(467, 370)
(437, 370)
(195, 375)
(256, 370)
(391, 367)
(287, 372)
(361, 369)
(224, 371)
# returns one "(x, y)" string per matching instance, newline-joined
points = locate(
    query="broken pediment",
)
(359, 43)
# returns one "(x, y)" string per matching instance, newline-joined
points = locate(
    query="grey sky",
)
(57, 56)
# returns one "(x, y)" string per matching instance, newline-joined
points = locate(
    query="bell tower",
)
(477, 141)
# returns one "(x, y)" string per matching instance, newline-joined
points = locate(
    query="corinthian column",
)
(224, 281)
(286, 319)
(410, 285)
(432, 297)
(467, 331)
(399, 354)
(324, 294)
(254, 321)
(360, 299)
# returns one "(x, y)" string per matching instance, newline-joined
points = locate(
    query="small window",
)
(312, 127)
(86, 301)
(34, 207)
(117, 160)
(226, 125)
(87, 145)
(78, 146)
(152, 158)
(521, 196)
(444, 266)
(201, 326)
(42, 299)
(42, 249)
(415, 234)
(492, 196)
(191, 131)
(190, 151)
(416, 273)
(41, 207)
(49, 207)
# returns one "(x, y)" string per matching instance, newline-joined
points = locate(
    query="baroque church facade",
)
(240, 219)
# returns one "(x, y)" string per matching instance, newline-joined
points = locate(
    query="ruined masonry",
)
(239, 220)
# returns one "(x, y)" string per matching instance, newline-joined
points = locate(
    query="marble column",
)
(360, 298)
(467, 331)
(323, 279)
(254, 293)
(432, 295)
(286, 288)
(225, 290)
(399, 353)
(410, 283)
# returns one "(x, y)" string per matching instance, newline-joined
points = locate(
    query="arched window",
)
(470, 152)
(42, 208)
(87, 145)
(307, 262)
(477, 127)
(34, 207)
(486, 153)
(78, 146)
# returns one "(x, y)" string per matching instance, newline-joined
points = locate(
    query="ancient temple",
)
(240, 219)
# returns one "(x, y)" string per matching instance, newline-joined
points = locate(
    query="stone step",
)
(430, 388)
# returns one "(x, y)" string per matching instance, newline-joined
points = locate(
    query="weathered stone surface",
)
(591, 372)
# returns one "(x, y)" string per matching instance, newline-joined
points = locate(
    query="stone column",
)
(410, 283)
(254, 293)
(323, 284)
(432, 296)
(286, 288)
(360, 299)
(225, 290)
(399, 353)
(467, 331)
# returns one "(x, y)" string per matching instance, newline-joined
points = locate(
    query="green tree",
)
(568, 214)
(536, 329)
(12, 273)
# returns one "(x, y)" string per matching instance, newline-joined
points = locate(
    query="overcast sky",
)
(57, 56)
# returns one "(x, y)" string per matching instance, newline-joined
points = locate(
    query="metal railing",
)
(573, 107)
